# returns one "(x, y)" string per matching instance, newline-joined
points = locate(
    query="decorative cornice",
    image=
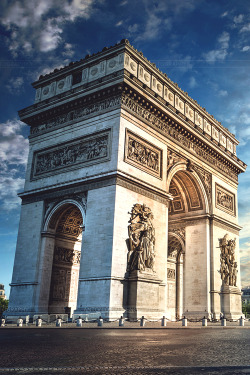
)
(178, 133)
(225, 224)
(156, 116)
(115, 56)
(73, 192)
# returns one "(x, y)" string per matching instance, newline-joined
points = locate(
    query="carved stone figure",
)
(228, 266)
(141, 252)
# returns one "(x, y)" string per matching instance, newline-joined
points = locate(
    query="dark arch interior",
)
(67, 223)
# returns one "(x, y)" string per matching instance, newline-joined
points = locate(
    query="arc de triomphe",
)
(130, 200)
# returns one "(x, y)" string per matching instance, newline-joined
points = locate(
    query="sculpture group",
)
(141, 242)
(228, 266)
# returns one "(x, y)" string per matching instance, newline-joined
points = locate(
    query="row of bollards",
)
(121, 322)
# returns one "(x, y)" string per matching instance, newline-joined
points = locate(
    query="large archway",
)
(66, 260)
(187, 222)
(60, 255)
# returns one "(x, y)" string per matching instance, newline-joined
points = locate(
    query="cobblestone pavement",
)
(148, 350)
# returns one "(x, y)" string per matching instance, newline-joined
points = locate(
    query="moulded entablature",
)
(124, 56)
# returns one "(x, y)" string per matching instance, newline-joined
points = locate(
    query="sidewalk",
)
(133, 325)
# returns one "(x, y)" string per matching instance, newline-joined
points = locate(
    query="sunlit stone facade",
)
(130, 200)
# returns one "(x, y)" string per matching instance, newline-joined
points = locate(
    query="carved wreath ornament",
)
(141, 242)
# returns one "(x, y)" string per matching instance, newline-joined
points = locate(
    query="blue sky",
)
(203, 45)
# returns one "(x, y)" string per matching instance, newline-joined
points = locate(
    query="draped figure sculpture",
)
(228, 266)
(141, 252)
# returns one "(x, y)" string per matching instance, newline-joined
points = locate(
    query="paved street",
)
(125, 351)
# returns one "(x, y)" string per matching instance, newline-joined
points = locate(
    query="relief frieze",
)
(87, 150)
(166, 128)
(224, 200)
(143, 154)
(76, 114)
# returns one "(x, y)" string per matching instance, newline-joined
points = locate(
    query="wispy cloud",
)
(159, 17)
(39, 25)
(15, 85)
(119, 23)
(239, 18)
(245, 28)
(154, 26)
(192, 82)
(220, 53)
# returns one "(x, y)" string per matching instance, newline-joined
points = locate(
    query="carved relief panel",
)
(171, 273)
(143, 154)
(86, 150)
(224, 200)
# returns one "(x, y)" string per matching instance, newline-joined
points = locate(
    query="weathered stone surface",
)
(109, 134)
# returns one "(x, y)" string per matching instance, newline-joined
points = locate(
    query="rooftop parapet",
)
(124, 56)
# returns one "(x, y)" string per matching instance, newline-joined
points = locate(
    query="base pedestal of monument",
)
(143, 295)
(231, 302)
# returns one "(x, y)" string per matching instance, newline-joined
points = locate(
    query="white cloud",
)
(245, 49)
(68, 50)
(157, 19)
(221, 52)
(13, 159)
(224, 14)
(223, 93)
(33, 25)
(13, 145)
(239, 18)
(245, 28)
(119, 23)
(133, 28)
(9, 187)
(193, 82)
(154, 25)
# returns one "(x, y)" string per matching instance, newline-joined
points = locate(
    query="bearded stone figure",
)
(141, 242)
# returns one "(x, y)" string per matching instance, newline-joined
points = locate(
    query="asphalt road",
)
(125, 351)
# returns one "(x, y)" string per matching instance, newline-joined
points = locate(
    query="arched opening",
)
(175, 274)
(187, 211)
(66, 223)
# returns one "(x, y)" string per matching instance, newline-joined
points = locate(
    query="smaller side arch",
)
(57, 209)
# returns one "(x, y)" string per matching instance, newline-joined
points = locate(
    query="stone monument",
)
(130, 200)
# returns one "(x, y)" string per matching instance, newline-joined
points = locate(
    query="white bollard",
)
(121, 322)
(100, 322)
(2, 322)
(242, 322)
(19, 322)
(223, 322)
(163, 321)
(39, 322)
(79, 322)
(142, 321)
(184, 322)
(58, 322)
(204, 322)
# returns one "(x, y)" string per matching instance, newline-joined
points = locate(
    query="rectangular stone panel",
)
(143, 154)
(224, 200)
(85, 151)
